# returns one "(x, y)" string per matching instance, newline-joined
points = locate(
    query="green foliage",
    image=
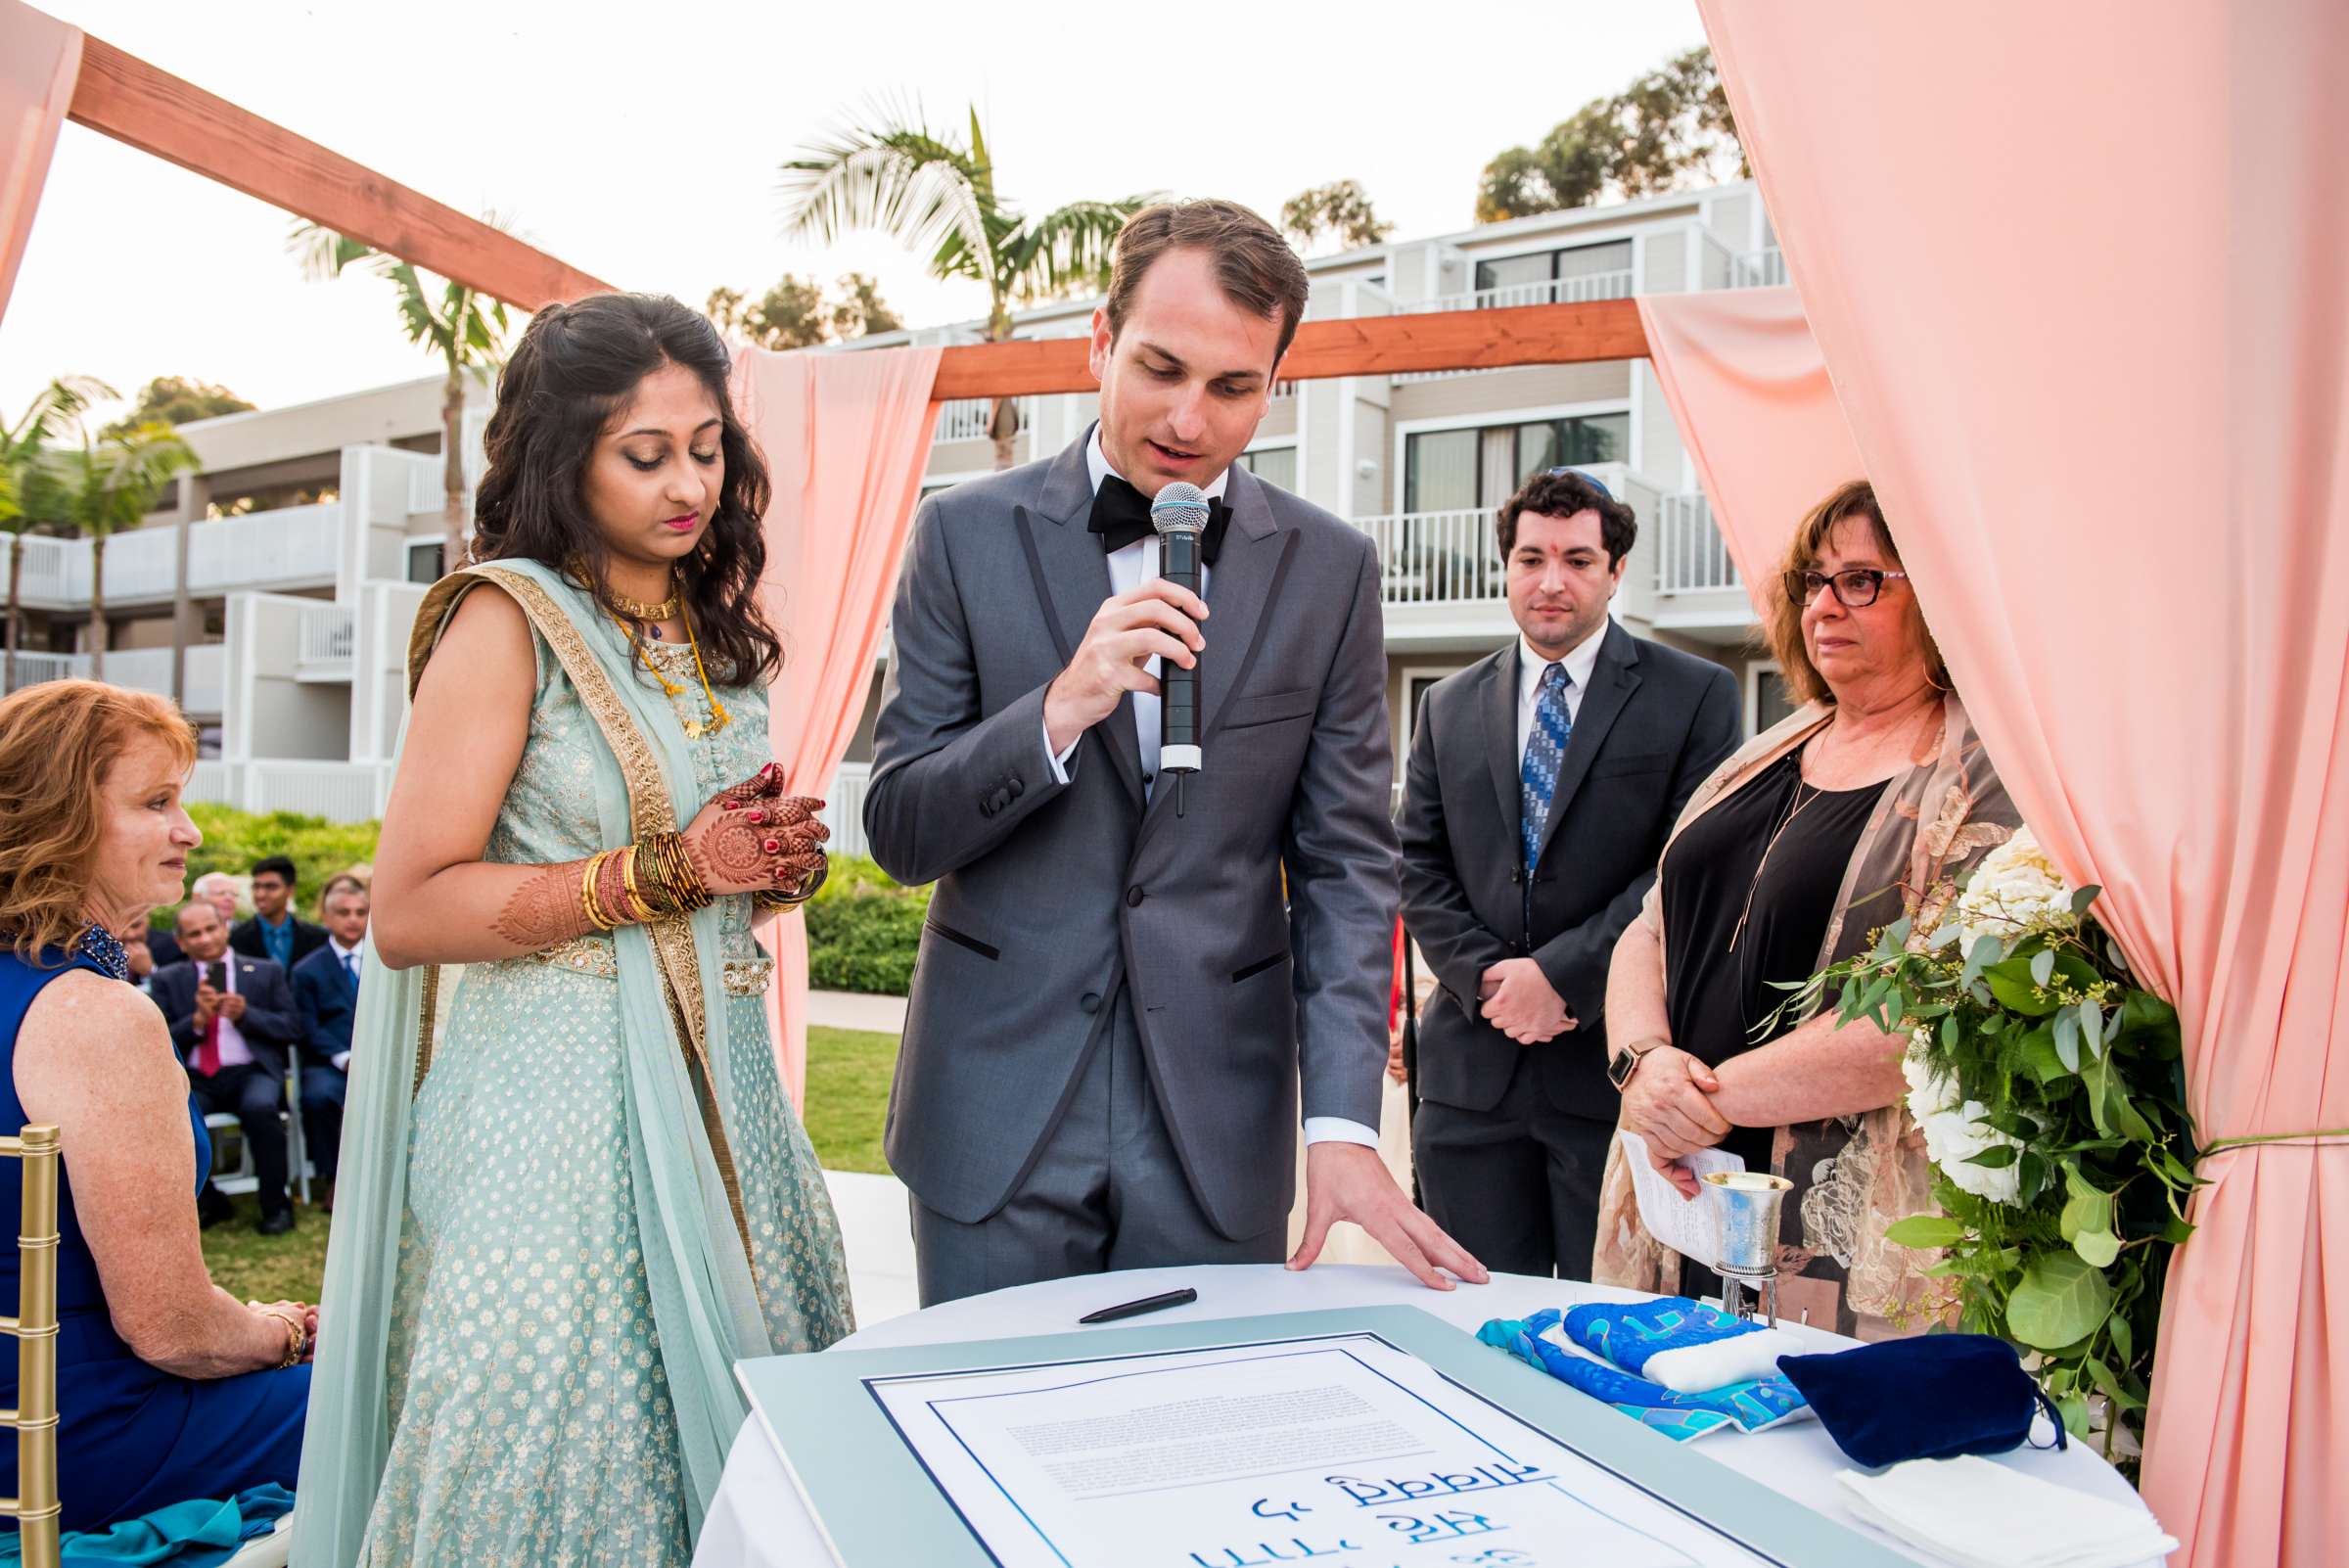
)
(1339, 210)
(2079, 1068)
(793, 313)
(848, 1071)
(864, 930)
(234, 840)
(176, 400)
(1671, 125)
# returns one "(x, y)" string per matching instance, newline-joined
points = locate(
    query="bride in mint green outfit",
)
(565, 1213)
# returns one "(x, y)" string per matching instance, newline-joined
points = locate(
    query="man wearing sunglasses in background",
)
(1542, 785)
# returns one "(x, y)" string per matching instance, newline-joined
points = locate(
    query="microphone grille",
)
(1179, 508)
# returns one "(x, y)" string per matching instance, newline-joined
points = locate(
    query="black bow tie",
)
(1122, 515)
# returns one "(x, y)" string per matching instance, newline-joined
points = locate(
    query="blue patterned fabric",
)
(1748, 1407)
(1545, 751)
(1630, 1334)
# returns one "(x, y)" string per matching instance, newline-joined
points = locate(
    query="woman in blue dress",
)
(565, 1211)
(168, 1388)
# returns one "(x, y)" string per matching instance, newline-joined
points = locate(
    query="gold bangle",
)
(628, 878)
(295, 1335)
(587, 892)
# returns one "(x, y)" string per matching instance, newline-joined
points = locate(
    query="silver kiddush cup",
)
(1745, 1211)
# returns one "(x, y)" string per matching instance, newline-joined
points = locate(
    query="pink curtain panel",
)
(2078, 271)
(40, 59)
(846, 437)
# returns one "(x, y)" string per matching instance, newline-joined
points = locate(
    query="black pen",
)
(1148, 1303)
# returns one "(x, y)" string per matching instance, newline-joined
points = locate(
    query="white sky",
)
(642, 146)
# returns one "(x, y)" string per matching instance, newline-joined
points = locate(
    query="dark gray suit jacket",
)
(1654, 723)
(271, 1025)
(1051, 896)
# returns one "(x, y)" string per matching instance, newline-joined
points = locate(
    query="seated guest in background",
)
(275, 932)
(138, 952)
(326, 991)
(216, 887)
(1871, 803)
(234, 1023)
(169, 1388)
(1541, 786)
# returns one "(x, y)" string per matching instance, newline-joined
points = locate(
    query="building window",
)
(1275, 465)
(1460, 470)
(1772, 701)
(425, 560)
(1551, 277)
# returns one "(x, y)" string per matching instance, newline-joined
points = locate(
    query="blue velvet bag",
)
(1929, 1398)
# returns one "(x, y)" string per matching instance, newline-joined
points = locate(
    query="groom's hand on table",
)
(1349, 1181)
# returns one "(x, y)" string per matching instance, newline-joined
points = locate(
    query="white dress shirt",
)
(348, 957)
(1580, 662)
(1128, 568)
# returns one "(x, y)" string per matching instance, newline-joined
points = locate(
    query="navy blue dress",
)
(131, 1438)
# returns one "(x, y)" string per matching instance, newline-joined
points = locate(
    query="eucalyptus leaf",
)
(2067, 1040)
(2097, 1248)
(2123, 1337)
(2083, 899)
(1925, 1232)
(2061, 1300)
(2043, 966)
(2011, 984)
(2092, 1026)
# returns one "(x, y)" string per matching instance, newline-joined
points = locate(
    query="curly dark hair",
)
(575, 369)
(1563, 492)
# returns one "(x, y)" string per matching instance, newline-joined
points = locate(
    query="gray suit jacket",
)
(1654, 723)
(1051, 896)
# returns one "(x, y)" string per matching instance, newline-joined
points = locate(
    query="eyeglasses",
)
(1855, 589)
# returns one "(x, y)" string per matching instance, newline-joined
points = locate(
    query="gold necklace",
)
(694, 727)
(638, 609)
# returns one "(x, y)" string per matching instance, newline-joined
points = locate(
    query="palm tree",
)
(108, 485)
(937, 194)
(464, 325)
(31, 488)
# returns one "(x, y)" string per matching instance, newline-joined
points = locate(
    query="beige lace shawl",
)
(1927, 830)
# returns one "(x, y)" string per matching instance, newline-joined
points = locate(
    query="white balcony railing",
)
(843, 808)
(1436, 557)
(1690, 555)
(290, 546)
(340, 792)
(966, 418)
(1547, 291)
(1765, 268)
(137, 669)
(325, 646)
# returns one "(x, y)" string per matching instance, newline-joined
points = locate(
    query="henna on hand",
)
(544, 909)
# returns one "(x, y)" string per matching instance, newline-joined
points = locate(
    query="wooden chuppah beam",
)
(1361, 346)
(125, 97)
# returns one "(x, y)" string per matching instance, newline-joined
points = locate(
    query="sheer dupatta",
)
(1928, 830)
(706, 1305)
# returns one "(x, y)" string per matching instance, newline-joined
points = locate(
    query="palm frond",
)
(60, 404)
(1069, 247)
(898, 180)
(322, 252)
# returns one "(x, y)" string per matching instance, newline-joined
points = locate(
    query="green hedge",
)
(233, 840)
(862, 930)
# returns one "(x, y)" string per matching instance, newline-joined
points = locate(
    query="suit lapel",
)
(1500, 708)
(1072, 578)
(1613, 680)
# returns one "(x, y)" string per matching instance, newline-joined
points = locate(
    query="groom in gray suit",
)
(1116, 1000)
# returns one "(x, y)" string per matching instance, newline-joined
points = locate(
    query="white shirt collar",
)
(341, 951)
(1096, 463)
(1580, 662)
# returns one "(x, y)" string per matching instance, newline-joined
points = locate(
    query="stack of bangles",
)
(654, 880)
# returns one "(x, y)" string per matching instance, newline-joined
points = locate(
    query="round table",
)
(758, 1520)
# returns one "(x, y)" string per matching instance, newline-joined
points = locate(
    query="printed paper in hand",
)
(1684, 1225)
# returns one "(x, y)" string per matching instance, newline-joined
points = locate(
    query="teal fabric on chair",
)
(202, 1533)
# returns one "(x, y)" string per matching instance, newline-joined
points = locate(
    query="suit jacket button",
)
(1092, 1001)
(1133, 898)
(1016, 786)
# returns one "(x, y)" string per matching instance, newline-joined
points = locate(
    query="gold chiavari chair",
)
(35, 1506)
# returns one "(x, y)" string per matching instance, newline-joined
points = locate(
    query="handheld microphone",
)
(1179, 513)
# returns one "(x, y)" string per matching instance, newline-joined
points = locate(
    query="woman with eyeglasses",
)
(1868, 804)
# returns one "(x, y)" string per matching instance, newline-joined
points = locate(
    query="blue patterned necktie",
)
(1544, 750)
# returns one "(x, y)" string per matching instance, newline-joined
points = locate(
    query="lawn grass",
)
(848, 1097)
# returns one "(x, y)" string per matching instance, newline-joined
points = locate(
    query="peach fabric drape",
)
(846, 437)
(1749, 391)
(2079, 278)
(40, 59)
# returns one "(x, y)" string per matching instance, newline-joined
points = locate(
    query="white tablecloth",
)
(758, 1520)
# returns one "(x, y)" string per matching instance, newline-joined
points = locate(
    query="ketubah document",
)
(1340, 1451)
